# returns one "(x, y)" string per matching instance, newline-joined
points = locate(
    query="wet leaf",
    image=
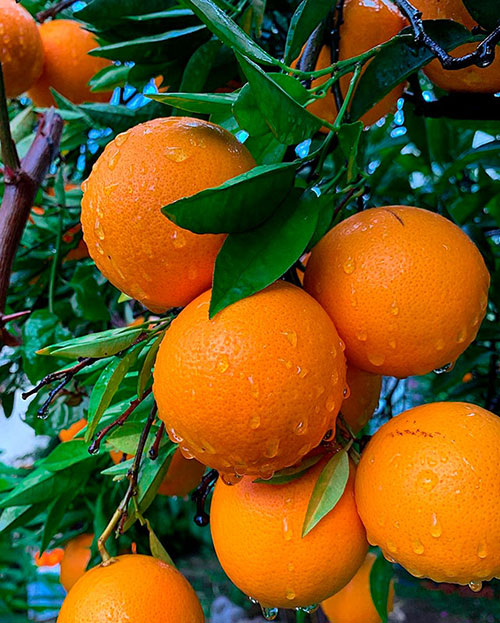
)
(380, 580)
(156, 547)
(104, 344)
(146, 373)
(200, 103)
(308, 15)
(66, 454)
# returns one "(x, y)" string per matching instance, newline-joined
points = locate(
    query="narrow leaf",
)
(308, 15)
(156, 547)
(99, 345)
(380, 581)
(200, 103)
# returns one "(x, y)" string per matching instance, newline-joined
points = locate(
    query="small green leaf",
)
(120, 469)
(66, 454)
(100, 345)
(285, 476)
(308, 15)
(380, 581)
(240, 204)
(126, 438)
(146, 373)
(200, 103)
(156, 547)
(349, 135)
(15, 516)
(109, 78)
(485, 12)
(328, 490)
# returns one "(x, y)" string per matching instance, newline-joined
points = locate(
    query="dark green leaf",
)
(485, 12)
(201, 103)
(41, 328)
(146, 374)
(380, 580)
(88, 301)
(349, 136)
(99, 345)
(109, 78)
(15, 516)
(39, 486)
(308, 15)
(55, 513)
(66, 454)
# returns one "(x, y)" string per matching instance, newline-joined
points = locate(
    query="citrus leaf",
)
(380, 580)
(349, 135)
(200, 103)
(146, 374)
(55, 514)
(109, 78)
(308, 15)
(328, 490)
(240, 204)
(126, 438)
(15, 516)
(485, 12)
(66, 454)
(120, 469)
(39, 486)
(156, 548)
(285, 476)
(99, 345)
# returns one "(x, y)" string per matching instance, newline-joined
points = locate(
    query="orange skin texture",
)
(405, 287)
(75, 560)
(21, 49)
(134, 588)
(427, 490)
(139, 172)
(68, 67)
(257, 387)
(354, 604)
(256, 530)
(360, 405)
(469, 79)
(66, 434)
(367, 23)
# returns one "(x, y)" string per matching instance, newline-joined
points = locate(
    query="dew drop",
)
(440, 344)
(254, 421)
(100, 250)
(287, 531)
(347, 392)
(392, 547)
(376, 359)
(253, 600)
(186, 453)
(436, 529)
(302, 372)
(418, 547)
(240, 469)
(254, 389)
(482, 551)
(290, 594)
(121, 139)
(113, 161)
(394, 308)
(446, 368)
(291, 336)
(266, 471)
(362, 336)
(84, 185)
(178, 239)
(269, 614)
(223, 364)
(174, 436)
(427, 479)
(462, 335)
(272, 447)
(285, 362)
(349, 266)
(99, 230)
(309, 609)
(301, 427)
(475, 586)
(231, 479)
(330, 404)
(176, 154)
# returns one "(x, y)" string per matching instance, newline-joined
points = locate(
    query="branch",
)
(9, 151)
(200, 494)
(20, 191)
(67, 374)
(483, 55)
(153, 451)
(53, 10)
(338, 20)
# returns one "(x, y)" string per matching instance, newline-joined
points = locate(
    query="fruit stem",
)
(101, 541)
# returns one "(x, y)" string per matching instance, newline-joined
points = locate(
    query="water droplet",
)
(436, 529)
(254, 389)
(110, 188)
(394, 308)
(178, 239)
(349, 266)
(462, 335)
(99, 230)
(290, 594)
(176, 154)
(113, 160)
(290, 566)
(254, 421)
(266, 471)
(301, 427)
(392, 547)
(174, 436)
(418, 547)
(475, 585)
(440, 344)
(230, 479)
(309, 609)
(446, 368)
(330, 404)
(376, 359)
(285, 362)
(362, 336)
(253, 600)
(287, 531)
(392, 343)
(291, 336)
(100, 250)
(346, 392)
(484, 302)
(240, 469)
(186, 453)
(269, 614)
(121, 138)
(302, 372)
(272, 447)
(427, 479)
(223, 364)
(482, 550)
(84, 185)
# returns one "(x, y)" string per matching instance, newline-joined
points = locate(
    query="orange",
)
(257, 534)
(21, 50)
(182, 477)
(427, 490)
(367, 23)
(469, 79)
(75, 560)
(254, 389)
(68, 67)
(49, 558)
(66, 434)
(360, 405)
(405, 287)
(139, 172)
(132, 588)
(354, 603)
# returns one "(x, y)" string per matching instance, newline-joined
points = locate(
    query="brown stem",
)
(200, 494)
(53, 10)
(67, 374)
(15, 316)
(153, 451)
(20, 192)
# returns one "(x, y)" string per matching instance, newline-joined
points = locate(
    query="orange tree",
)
(236, 139)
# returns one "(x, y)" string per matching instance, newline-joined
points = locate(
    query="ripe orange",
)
(134, 588)
(354, 604)
(254, 389)
(75, 560)
(21, 48)
(367, 23)
(405, 287)
(68, 67)
(469, 79)
(66, 434)
(427, 489)
(360, 405)
(142, 170)
(257, 534)
(49, 558)
(182, 477)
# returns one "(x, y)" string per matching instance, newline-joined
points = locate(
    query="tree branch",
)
(53, 10)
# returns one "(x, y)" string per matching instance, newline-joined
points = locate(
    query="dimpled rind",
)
(257, 387)
(405, 287)
(427, 491)
(140, 171)
(257, 534)
(21, 50)
(132, 588)
(75, 560)
(68, 67)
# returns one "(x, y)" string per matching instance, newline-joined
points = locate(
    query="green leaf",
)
(200, 103)
(485, 12)
(99, 345)
(251, 261)
(66, 454)
(103, 13)
(380, 580)
(109, 78)
(146, 373)
(284, 476)
(106, 388)
(328, 490)
(126, 438)
(325, 216)
(308, 15)
(15, 516)
(156, 547)
(22, 124)
(198, 67)
(240, 204)
(39, 486)
(88, 301)
(228, 31)
(120, 469)
(399, 59)
(349, 136)
(287, 119)
(55, 514)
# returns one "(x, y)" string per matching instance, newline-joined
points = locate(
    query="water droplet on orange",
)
(436, 529)
(349, 266)
(475, 586)
(482, 550)
(418, 546)
(291, 336)
(254, 421)
(376, 359)
(427, 479)
(271, 448)
(222, 364)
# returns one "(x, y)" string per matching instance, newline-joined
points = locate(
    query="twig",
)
(9, 152)
(483, 55)
(67, 374)
(388, 397)
(153, 451)
(96, 444)
(338, 20)
(53, 10)
(200, 494)
(309, 58)
(10, 317)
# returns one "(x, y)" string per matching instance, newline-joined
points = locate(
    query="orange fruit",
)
(254, 389)
(134, 588)
(367, 23)
(405, 287)
(360, 405)
(427, 488)
(354, 603)
(469, 79)
(468, 377)
(75, 560)
(257, 534)
(68, 67)
(21, 49)
(182, 477)
(139, 172)
(66, 434)
(49, 558)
